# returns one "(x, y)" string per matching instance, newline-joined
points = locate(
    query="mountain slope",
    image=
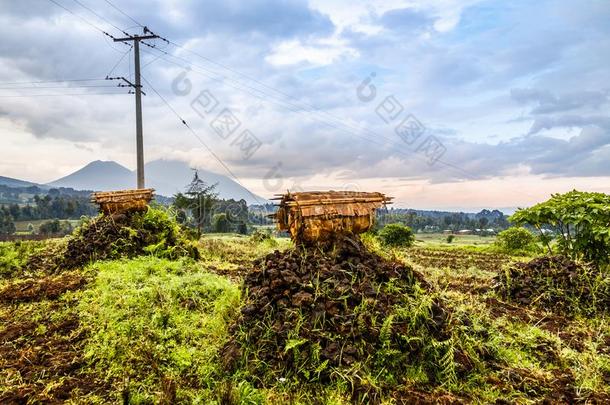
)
(167, 177)
(98, 176)
(10, 182)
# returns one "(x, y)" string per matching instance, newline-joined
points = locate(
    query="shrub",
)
(515, 239)
(396, 235)
(580, 221)
(260, 235)
(220, 223)
(450, 238)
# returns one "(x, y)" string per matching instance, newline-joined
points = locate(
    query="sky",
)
(441, 104)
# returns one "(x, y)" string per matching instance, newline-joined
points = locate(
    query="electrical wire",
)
(51, 87)
(183, 121)
(119, 61)
(60, 95)
(52, 81)
(313, 115)
(312, 110)
(82, 19)
(125, 14)
(101, 17)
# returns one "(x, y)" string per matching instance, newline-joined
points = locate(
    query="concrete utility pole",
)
(138, 90)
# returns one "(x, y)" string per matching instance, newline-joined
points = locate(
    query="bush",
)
(260, 235)
(580, 222)
(220, 223)
(396, 235)
(515, 239)
(450, 238)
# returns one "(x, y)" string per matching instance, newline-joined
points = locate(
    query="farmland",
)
(153, 327)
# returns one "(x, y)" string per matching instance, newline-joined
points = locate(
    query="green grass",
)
(22, 226)
(157, 327)
(426, 239)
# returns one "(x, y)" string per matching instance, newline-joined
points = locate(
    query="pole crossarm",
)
(129, 83)
(135, 38)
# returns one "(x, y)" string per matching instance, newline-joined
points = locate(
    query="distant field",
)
(22, 226)
(460, 240)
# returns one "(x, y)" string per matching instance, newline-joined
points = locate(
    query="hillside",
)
(10, 182)
(167, 177)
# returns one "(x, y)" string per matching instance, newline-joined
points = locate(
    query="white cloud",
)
(319, 53)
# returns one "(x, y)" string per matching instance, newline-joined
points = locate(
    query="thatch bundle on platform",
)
(115, 202)
(319, 216)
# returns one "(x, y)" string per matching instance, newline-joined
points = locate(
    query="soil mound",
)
(556, 283)
(115, 236)
(310, 313)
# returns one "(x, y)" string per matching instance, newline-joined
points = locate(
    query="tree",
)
(581, 223)
(50, 227)
(515, 239)
(198, 199)
(7, 226)
(220, 223)
(397, 235)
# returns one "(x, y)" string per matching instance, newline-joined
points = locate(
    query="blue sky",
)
(515, 94)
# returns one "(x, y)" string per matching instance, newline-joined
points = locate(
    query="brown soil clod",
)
(556, 283)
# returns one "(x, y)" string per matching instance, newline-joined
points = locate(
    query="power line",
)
(52, 81)
(51, 87)
(82, 19)
(183, 121)
(100, 17)
(312, 109)
(295, 108)
(60, 95)
(125, 14)
(119, 61)
(340, 126)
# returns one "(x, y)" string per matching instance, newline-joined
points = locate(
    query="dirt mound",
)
(556, 283)
(310, 313)
(36, 290)
(115, 236)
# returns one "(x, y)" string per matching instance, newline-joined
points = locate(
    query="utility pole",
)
(138, 90)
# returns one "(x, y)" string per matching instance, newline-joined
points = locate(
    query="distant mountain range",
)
(9, 182)
(167, 177)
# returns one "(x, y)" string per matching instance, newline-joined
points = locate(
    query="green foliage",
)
(516, 239)
(7, 226)
(152, 321)
(396, 235)
(198, 200)
(54, 227)
(450, 238)
(220, 223)
(260, 235)
(581, 222)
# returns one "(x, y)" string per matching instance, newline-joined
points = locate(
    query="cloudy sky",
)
(442, 104)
